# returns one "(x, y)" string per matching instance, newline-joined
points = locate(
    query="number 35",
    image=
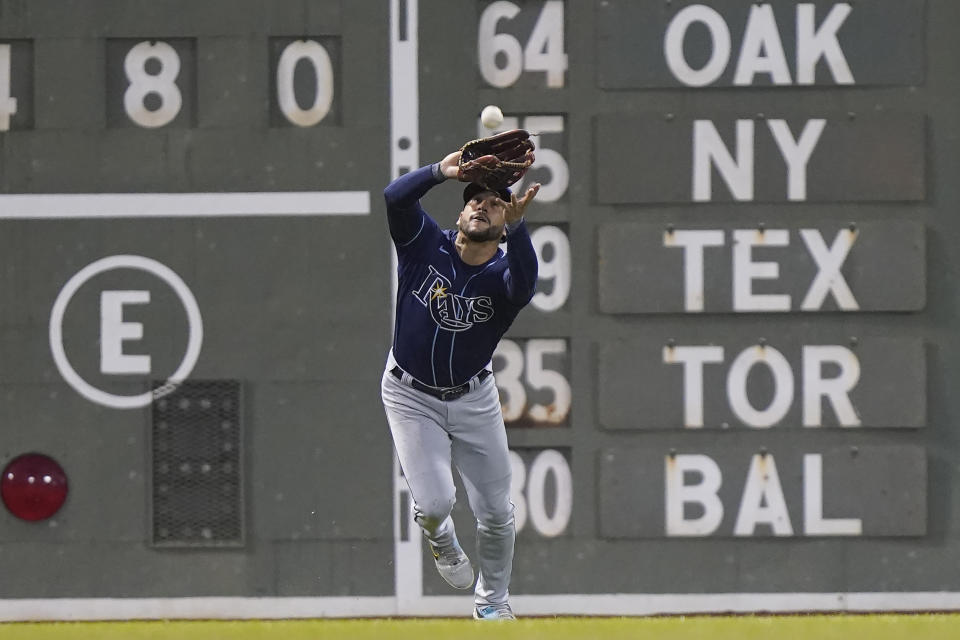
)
(521, 372)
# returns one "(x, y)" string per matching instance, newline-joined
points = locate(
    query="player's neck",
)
(474, 253)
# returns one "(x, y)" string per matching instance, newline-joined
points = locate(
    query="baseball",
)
(491, 116)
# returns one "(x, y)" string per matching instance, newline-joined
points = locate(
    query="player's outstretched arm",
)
(404, 213)
(450, 165)
(513, 210)
(520, 277)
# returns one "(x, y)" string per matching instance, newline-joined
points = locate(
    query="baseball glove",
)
(498, 161)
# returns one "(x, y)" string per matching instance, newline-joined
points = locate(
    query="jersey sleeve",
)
(520, 276)
(406, 218)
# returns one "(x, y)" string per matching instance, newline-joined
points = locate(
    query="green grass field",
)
(753, 627)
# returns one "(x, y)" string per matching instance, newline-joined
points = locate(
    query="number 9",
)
(557, 268)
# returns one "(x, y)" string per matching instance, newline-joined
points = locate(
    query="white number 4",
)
(8, 104)
(544, 50)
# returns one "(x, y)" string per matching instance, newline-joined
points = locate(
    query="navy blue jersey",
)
(450, 315)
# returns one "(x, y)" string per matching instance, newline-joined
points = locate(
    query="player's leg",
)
(423, 448)
(480, 453)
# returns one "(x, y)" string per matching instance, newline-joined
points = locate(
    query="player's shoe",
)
(493, 612)
(453, 565)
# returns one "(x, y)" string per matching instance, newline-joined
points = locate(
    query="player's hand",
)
(513, 210)
(450, 165)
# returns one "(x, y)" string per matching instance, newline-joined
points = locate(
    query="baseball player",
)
(458, 294)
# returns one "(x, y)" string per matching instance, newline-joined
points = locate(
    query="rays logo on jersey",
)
(451, 311)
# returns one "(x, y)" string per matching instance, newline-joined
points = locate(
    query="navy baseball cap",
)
(473, 189)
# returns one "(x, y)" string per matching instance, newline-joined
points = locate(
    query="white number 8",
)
(143, 84)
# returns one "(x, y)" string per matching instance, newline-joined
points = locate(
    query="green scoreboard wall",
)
(732, 391)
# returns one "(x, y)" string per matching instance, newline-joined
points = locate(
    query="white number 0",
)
(8, 105)
(322, 67)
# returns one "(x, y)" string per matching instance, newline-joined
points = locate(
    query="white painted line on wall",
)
(230, 608)
(645, 604)
(213, 608)
(404, 87)
(161, 205)
(404, 157)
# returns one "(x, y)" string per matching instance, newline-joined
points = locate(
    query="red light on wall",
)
(33, 486)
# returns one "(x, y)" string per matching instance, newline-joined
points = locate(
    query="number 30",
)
(529, 488)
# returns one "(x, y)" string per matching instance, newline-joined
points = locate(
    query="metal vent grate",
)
(197, 465)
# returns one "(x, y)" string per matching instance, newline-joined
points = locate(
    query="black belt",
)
(443, 393)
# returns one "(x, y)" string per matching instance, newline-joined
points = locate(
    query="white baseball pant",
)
(468, 433)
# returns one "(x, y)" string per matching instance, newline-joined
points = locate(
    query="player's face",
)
(482, 218)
